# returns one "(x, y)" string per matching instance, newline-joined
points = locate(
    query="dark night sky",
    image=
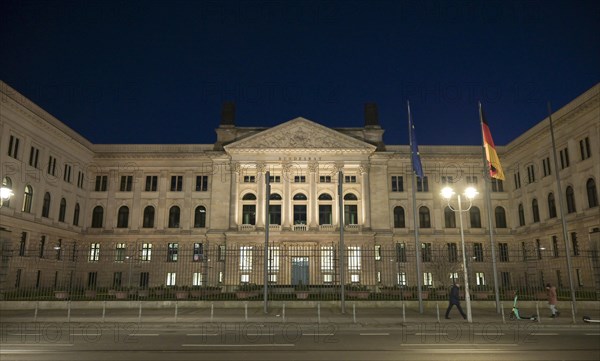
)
(158, 71)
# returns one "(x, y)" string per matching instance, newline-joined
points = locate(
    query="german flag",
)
(490, 149)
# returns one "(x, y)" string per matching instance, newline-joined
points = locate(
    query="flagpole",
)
(414, 208)
(562, 212)
(488, 204)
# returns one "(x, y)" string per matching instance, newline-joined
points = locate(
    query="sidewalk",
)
(371, 317)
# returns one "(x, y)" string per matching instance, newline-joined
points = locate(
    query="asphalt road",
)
(290, 341)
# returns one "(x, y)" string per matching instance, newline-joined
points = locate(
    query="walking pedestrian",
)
(455, 301)
(552, 300)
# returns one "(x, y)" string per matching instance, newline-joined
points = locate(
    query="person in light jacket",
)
(455, 301)
(552, 300)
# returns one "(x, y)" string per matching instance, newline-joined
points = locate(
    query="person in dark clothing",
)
(455, 301)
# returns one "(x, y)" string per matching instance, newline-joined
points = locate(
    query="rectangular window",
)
(176, 183)
(144, 279)
(401, 252)
(13, 147)
(530, 174)
(171, 279)
(172, 252)
(196, 279)
(478, 252)
(538, 247)
(480, 278)
(327, 259)
(117, 279)
(201, 183)
(401, 279)
(354, 262)
(546, 166)
(503, 257)
(101, 183)
(34, 155)
(584, 147)
(564, 158)
(221, 253)
(245, 258)
(42, 246)
(559, 281)
(575, 244)
(397, 183)
(325, 214)
(274, 179)
(555, 246)
(151, 183)
(524, 251)
(275, 214)
(249, 179)
(350, 179)
(422, 184)
(471, 179)
(325, 179)
(23, 244)
(67, 173)
(497, 185)
(94, 255)
(198, 252)
(447, 179)
(579, 278)
(517, 177)
(452, 253)
(427, 279)
(273, 259)
(80, 179)
(146, 251)
(426, 252)
(51, 165)
(505, 279)
(126, 183)
(120, 252)
(377, 252)
(92, 280)
(300, 179)
(327, 278)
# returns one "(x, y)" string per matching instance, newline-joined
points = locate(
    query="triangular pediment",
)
(297, 135)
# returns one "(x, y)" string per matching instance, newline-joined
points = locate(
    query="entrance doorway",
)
(299, 270)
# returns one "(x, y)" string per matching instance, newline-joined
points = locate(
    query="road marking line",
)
(24, 334)
(202, 334)
(431, 333)
(488, 334)
(375, 334)
(318, 334)
(452, 344)
(37, 344)
(86, 334)
(260, 334)
(144, 334)
(249, 345)
(544, 334)
(592, 334)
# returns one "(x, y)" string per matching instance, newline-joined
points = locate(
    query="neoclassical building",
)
(148, 215)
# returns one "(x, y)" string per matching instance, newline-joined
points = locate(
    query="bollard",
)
(573, 311)
(354, 312)
(176, 309)
(103, 310)
(69, 311)
(246, 310)
(318, 312)
(212, 311)
(537, 310)
(437, 306)
(283, 313)
(140, 314)
(35, 313)
(403, 312)
(502, 310)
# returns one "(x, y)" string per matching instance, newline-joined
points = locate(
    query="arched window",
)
(551, 206)
(449, 218)
(200, 217)
(275, 197)
(300, 197)
(123, 217)
(63, 210)
(76, 215)
(475, 217)
(148, 221)
(399, 221)
(249, 197)
(424, 218)
(521, 215)
(27, 199)
(46, 205)
(350, 197)
(570, 200)
(97, 217)
(500, 217)
(325, 209)
(6, 183)
(535, 210)
(174, 214)
(592, 194)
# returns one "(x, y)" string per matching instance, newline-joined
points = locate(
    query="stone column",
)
(260, 195)
(365, 189)
(162, 212)
(234, 196)
(136, 210)
(313, 204)
(286, 213)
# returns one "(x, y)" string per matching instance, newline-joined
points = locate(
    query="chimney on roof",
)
(371, 115)
(228, 114)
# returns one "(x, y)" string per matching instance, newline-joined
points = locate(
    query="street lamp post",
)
(470, 193)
